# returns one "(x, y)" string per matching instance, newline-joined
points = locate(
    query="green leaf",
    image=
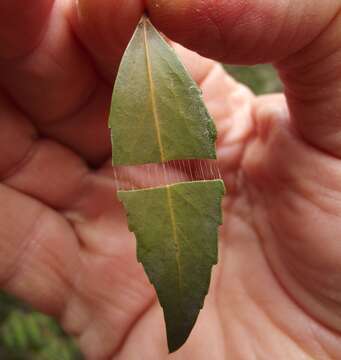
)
(157, 112)
(176, 230)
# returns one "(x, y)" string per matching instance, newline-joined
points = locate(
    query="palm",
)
(69, 253)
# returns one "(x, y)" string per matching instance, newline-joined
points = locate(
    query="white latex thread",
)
(153, 175)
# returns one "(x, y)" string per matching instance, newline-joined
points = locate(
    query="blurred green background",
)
(28, 335)
(262, 79)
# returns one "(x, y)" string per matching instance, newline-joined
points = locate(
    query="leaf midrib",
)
(162, 155)
(152, 93)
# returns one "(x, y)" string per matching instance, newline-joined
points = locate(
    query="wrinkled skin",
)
(64, 244)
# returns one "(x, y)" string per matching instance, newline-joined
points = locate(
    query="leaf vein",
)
(152, 92)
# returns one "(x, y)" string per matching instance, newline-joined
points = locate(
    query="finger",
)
(14, 129)
(85, 131)
(36, 166)
(55, 79)
(105, 27)
(302, 38)
(238, 31)
(22, 26)
(294, 184)
(57, 87)
(34, 252)
(267, 111)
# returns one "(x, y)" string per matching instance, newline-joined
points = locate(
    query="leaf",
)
(157, 112)
(176, 230)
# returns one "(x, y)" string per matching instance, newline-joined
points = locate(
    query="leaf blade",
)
(179, 266)
(156, 130)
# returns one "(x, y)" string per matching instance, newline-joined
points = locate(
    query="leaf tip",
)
(174, 344)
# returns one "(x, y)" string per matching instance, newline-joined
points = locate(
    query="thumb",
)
(302, 39)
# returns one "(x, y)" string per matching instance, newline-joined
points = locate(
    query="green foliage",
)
(29, 335)
(262, 79)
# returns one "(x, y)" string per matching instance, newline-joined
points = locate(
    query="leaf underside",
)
(157, 113)
(176, 230)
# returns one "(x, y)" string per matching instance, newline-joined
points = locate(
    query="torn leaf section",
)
(157, 112)
(176, 229)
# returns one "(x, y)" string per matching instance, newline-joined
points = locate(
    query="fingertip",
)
(199, 25)
(239, 31)
(104, 27)
(269, 111)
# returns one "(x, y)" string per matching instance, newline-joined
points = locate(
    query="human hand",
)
(64, 245)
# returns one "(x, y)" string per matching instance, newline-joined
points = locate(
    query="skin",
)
(64, 245)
